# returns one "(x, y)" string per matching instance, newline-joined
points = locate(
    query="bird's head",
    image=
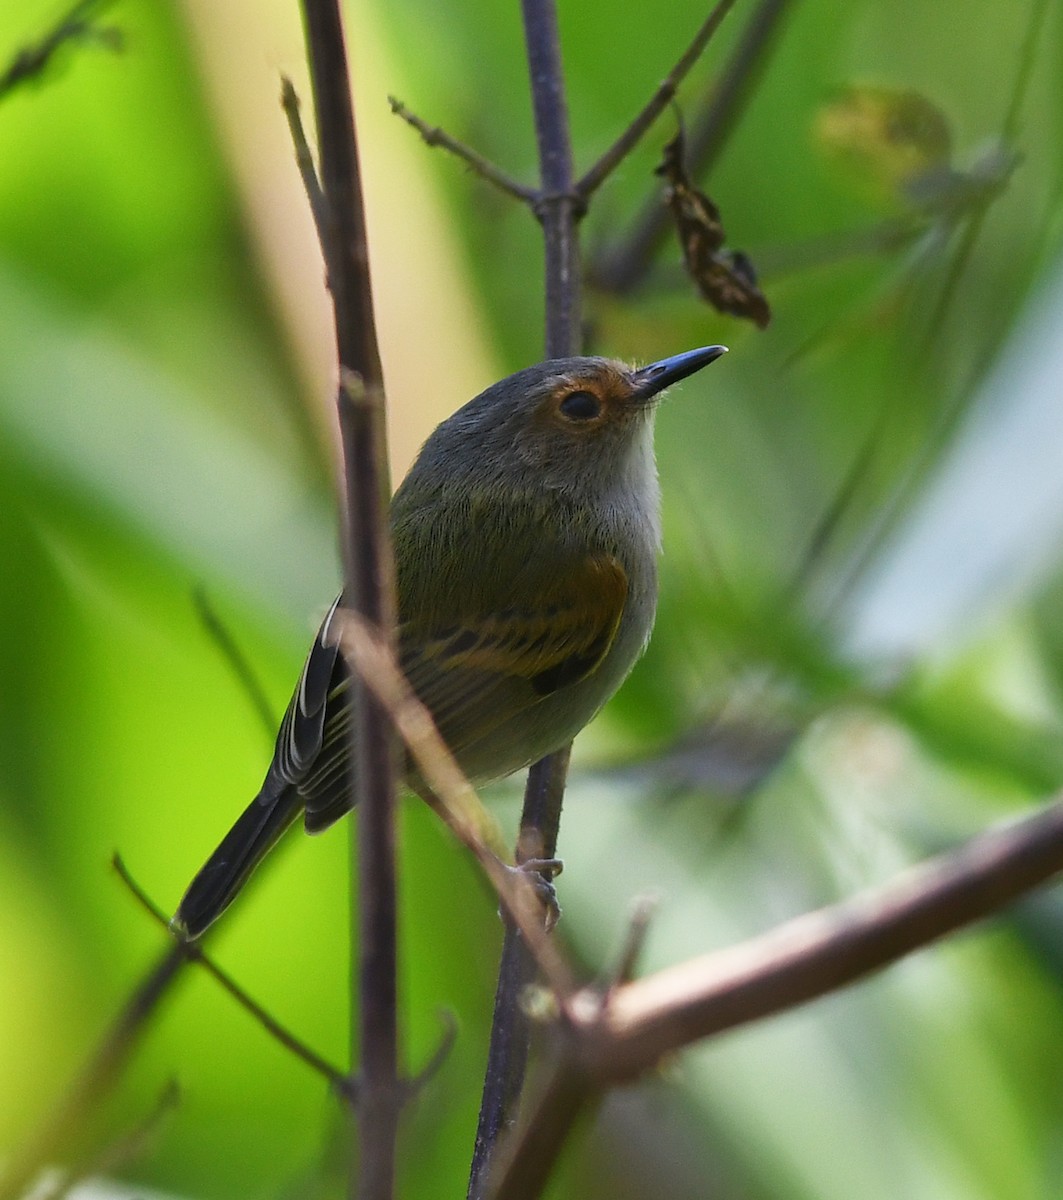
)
(567, 423)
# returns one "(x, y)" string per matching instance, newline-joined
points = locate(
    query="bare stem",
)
(825, 950)
(434, 136)
(304, 160)
(611, 1040)
(559, 210)
(451, 794)
(195, 953)
(625, 267)
(369, 588)
(631, 136)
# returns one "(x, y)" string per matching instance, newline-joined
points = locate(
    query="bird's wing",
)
(483, 669)
(472, 674)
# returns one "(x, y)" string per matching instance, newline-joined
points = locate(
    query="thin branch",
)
(77, 26)
(634, 940)
(826, 950)
(451, 794)
(660, 100)
(528, 1160)
(435, 1064)
(624, 267)
(336, 1078)
(507, 1058)
(511, 1023)
(60, 1128)
(369, 588)
(611, 1042)
(434, 136)
(304, 160)
(559, 210)
(237, 661)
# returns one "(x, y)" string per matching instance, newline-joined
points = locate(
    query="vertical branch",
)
(507, 1055)
(560, 207)
(559, 210)
(369, 589)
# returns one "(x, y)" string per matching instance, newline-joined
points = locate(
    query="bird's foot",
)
(540, 873)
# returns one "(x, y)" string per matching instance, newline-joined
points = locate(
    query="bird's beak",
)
(648, 381)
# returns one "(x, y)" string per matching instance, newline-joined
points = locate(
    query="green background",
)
(164, 386)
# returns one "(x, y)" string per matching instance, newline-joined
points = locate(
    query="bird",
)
(526, 537)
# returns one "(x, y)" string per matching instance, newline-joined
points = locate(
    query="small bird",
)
(526, 537)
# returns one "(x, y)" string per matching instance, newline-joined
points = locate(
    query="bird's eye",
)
(580, 406)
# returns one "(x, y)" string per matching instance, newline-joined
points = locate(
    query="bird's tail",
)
(257, 830)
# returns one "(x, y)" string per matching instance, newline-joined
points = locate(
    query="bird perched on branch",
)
(526, 537)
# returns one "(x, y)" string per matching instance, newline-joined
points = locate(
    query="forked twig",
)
(582, 190)
(613, 1039)
(195, 953)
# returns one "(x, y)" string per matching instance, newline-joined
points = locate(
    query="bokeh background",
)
(859, 653)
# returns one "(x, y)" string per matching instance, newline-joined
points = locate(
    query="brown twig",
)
(432, 135)
(612, 1041)
(825, 950)
(634, 940)
(559, 207)
(528, 1160)
(660, 100)
(369, 588)
(626, 265)
(304, 160)
(451, 794)
(195, 953)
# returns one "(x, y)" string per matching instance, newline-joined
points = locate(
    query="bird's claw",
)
(540, 873)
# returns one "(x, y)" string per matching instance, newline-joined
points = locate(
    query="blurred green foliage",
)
(801, 726)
